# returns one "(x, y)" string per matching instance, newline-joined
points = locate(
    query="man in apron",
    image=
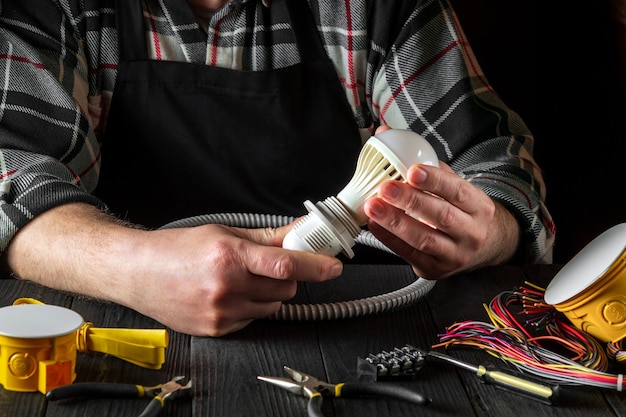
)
(184, 139)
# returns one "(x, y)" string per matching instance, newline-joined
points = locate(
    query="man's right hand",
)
(208, 280)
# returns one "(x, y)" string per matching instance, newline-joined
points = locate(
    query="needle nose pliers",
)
(159, 393)
(315, 389)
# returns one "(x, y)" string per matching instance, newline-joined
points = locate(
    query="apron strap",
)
(130, 30)
(305, 30)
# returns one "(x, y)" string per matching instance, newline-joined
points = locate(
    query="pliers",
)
(315, 389)
(159, 393)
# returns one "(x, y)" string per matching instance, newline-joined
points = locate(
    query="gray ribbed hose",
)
(326, 311)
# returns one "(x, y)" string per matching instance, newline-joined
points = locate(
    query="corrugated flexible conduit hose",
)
(326, 311)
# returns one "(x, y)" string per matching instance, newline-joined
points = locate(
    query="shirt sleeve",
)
(49, 154)
(423, 76)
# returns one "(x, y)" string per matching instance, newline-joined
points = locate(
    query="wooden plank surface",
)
(224, 370)
(326, 349)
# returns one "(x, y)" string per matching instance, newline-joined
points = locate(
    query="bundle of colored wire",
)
(529, 344)
(616, 352)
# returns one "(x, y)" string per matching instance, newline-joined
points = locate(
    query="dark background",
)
(557, 65)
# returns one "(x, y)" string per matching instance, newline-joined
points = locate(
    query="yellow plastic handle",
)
(26, 300)
(142, 347)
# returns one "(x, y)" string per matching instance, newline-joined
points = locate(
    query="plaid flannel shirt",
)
(404, 63)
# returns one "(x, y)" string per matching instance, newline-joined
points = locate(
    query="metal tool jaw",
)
(301, 384)
(170, 388)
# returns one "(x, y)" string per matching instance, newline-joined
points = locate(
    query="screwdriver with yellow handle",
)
(523, 386)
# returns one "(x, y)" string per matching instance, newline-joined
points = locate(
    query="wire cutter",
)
(315, 389)
(159, 393)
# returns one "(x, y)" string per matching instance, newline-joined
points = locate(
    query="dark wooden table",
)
(224, 370)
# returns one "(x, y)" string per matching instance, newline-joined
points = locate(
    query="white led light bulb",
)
(333, 225)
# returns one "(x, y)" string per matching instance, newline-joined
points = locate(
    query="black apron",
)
(185, 139)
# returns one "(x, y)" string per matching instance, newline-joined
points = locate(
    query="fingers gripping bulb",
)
(333, 225)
